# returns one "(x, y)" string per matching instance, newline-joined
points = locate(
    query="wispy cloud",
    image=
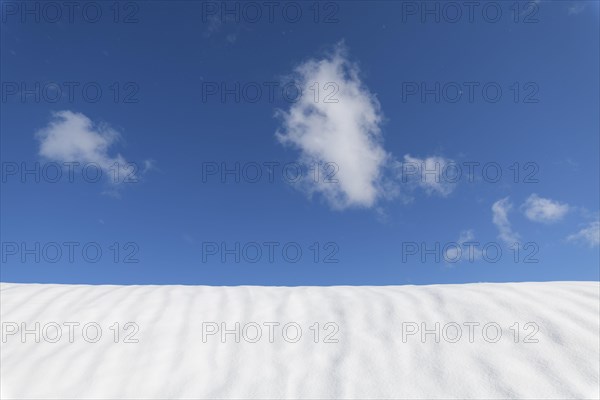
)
(426, 173)
(589, 235)
(472, 253)
(73, 137)
(539, 209)
(213, 25)
(500, 210)
(221, 26)
(344, 128)
(149, 165)
(576, 8)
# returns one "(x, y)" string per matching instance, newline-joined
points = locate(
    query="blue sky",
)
(389, 100)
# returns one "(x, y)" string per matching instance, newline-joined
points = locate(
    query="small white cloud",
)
(339, 125)
(500, 210)
(149, 165)
(73, 137)
(231, 38)
(539, 209)
(214, 24)
(590, 235)
(576, 8)
(428, 173)
(466, 250)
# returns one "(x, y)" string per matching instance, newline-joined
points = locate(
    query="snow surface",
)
(370, 359)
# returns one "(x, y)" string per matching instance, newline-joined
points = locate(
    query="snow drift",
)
(485, 341)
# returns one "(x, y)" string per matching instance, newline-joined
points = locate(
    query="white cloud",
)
(589, 235)
(149, 165)
(431, 174)
(539, 209)
(342, 126)
(73, 137)
(576, 8)
(231, 38)
(500, 210)
(213, 24)
(468, 252)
